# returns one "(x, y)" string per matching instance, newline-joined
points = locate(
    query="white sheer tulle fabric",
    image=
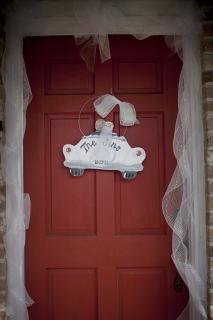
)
(184, 201)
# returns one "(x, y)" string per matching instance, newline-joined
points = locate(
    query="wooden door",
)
(98, 247)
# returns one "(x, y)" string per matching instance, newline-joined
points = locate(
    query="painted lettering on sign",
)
(86, 146)
(102, 162)
(114, 145)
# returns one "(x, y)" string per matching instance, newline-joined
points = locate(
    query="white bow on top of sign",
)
(104, 105)
(103, 149)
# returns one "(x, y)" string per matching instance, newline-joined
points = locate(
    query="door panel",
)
(131, 283)
(74, 212)
(144, 75)
(72, 294)
(98, 246)
(146, 216)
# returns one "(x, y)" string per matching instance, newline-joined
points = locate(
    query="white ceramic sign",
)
(104, 152)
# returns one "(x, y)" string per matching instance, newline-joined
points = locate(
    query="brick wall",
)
(207, 65)
(2, 200)
(2, 193)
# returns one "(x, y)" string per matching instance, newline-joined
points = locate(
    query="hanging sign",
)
(104, 150)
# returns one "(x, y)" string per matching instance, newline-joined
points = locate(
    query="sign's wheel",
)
(129, 175)
(76, 172)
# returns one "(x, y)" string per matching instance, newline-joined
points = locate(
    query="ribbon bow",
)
(97, 18)
(88, 50)
(104, 105)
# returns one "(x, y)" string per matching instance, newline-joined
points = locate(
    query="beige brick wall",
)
(2, 203)
(207, 59)
(2, 206)
(207, 66)
(2, 185)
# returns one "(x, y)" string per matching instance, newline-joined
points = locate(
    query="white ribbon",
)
(104, 105)
(88, 50)
(99, 17)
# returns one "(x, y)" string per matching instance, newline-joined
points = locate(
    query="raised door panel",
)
(138, 202)
(72, 294)
(70, 202)
(142, 293)
(63, 76)
(137, 75)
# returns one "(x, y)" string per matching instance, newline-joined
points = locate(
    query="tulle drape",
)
(183, 202)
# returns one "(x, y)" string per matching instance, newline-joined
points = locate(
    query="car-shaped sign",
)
(104, 152)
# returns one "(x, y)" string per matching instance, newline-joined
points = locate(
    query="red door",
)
(98, 247)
